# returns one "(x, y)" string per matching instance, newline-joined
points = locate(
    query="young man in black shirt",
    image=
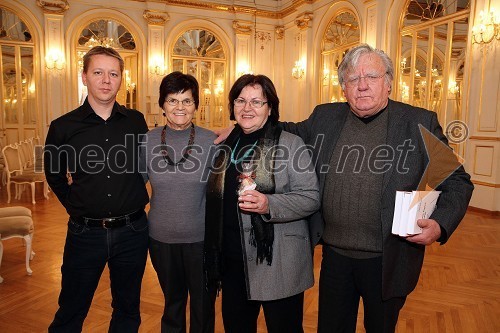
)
(97, 145)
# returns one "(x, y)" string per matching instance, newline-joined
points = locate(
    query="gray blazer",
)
(296, 197)
(401, 260)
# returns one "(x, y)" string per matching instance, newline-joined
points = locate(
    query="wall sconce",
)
(219, 89)
(326, 75)
(298, 70)
(453, 88)
(156, 66)
(242, 69)
(54, 60)
(488, 27)
(402, 64)
(335, 79)
(130, 86)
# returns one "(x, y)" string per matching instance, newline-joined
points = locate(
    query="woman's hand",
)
(254, 202)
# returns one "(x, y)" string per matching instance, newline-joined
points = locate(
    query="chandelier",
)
(100, 41)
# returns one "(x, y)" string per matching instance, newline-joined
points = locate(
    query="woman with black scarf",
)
(262, 189)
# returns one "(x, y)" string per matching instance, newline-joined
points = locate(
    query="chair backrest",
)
(12, 159)
(31, 146)
(25, 153)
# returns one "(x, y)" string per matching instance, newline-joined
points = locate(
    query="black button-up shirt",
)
(102, 157)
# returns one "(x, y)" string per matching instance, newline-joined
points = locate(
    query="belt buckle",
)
(106, 220)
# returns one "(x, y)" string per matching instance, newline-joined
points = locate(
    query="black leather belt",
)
(108, 222)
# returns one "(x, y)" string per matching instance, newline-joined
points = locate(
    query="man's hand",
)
(431, 231)
(222, 134)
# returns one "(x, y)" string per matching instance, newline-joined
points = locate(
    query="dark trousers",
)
(342, 282)
(180, 271)
(240, 315)
(86, 253)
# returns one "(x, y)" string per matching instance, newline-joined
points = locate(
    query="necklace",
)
(245, 155)
(187, 150)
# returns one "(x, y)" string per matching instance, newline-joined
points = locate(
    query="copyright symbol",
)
(457, 131)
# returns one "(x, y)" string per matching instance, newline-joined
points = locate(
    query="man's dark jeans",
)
(86, 253)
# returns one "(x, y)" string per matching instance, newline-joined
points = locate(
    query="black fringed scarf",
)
(262, 233)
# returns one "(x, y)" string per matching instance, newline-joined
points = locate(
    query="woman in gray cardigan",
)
(260, 192)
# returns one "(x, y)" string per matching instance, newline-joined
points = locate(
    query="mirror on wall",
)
(9, 86)
(18, 107)
(341, 34)
(111, 33)
(432, 56)
(199, 52)
(28, 86)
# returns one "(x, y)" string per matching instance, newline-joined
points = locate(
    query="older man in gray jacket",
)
(370, 148)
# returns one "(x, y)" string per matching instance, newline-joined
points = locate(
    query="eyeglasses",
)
(175, 102)
(369, 79)
(254, 103)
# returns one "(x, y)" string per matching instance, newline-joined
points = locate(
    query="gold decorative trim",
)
(293, 8)
(155, 17)
(478, 182)
(279, 30)
(484, 138)
(237, 9)
(263, 38)
(54, 6)
(244, 29)
(302, 21)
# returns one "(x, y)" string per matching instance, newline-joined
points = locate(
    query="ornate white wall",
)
(269, 43)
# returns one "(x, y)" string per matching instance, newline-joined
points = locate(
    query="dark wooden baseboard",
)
(483, 211)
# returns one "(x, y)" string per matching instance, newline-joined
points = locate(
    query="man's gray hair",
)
(351, 59)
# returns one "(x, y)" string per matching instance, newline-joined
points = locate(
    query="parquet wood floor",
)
(458, 290)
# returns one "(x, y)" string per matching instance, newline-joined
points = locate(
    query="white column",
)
(55, 66)
(156, 64)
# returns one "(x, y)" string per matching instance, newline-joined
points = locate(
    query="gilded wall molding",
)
(278, 14)
(279, 30)
(263, 38)
(54, 6)
(302, 21)
(155, 17)
(243, 28)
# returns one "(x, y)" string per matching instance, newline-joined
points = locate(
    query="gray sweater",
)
(177, 213)
(351, 197)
